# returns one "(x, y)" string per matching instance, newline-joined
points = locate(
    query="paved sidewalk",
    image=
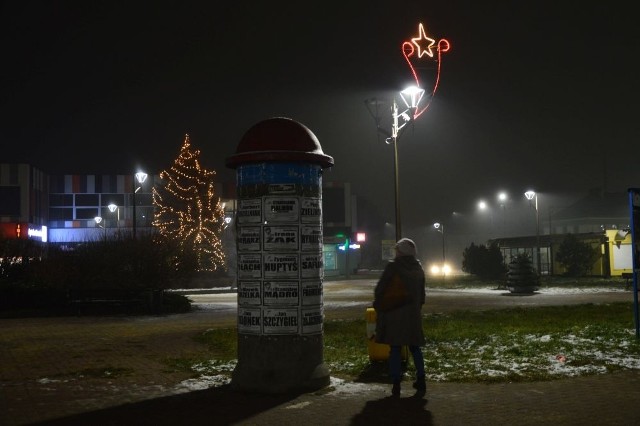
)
(612, 399)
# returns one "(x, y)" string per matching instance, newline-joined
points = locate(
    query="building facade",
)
(68, 210)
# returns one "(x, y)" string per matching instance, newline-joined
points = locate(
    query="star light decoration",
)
(187, 210)
(416, 49)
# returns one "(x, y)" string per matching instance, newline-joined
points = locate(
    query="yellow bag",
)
(394, 296)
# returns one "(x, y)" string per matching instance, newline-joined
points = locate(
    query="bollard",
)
(279, 165)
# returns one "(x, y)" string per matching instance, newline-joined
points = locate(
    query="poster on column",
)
(281, 265)
(312, 320)
(311, 265)
(249, 265)
(248, 238)
(281, 293)
(249, 293)
(250, 210)
(281, 209)
(282, 188)
(310, 210)
(280, 321)
(311, 292)
(249, 321)
(281, 238)
(310, 238)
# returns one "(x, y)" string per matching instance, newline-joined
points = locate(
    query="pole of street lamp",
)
(532, 195)
(538, 236)
(397, 187)
(411, 97)
(444, 257)
(140, 177)
(440, 228)
(134, 219)
(394, 133)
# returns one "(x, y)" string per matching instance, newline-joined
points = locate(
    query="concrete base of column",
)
(280, 364)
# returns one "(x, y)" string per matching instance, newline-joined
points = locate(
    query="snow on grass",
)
(515, 357)
(546, 356)
(495, 358)
(527, 357)
(542, 290)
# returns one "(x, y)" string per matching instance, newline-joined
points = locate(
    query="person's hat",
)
(406, 247)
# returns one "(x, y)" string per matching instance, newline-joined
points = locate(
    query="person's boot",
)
(420, 384)
(395, 390)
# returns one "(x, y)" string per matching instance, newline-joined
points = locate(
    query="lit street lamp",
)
(414, 50)
(502, 198)
(98, 220)
(140, 177)
(411, 97)
(112, 208)
(531, 195)
(440, 228)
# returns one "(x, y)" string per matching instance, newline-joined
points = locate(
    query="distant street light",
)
(531, 195)
(502, 198)
(113, 208)
(140, 177)
(486, 217)
(98, 220)
(440, 228)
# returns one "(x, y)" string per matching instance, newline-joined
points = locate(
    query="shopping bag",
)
(394, 296)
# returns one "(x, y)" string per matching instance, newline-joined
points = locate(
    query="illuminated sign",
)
(40, 234)
(351, 246)
(419, 47)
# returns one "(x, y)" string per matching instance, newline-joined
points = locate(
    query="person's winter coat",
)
(403, 325)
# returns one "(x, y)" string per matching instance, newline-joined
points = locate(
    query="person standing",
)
(402, 326)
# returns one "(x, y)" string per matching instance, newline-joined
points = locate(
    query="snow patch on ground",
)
(544, 290)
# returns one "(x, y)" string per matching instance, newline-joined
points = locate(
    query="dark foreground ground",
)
(110, 371)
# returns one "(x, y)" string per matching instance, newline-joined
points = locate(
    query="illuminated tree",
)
(188, 212)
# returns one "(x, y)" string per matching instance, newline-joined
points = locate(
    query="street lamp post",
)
(532, 195)
(98, 220)
(396, 171)
(411, 97)
(140, 177)
(440, 228)
(414, 50)
(112, 208)
(502, 198)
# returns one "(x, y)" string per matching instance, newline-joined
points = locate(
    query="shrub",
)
(522, 278)
(485, 262)
(124, 267)
(576, 256)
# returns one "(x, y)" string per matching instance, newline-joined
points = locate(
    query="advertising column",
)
(279, 247)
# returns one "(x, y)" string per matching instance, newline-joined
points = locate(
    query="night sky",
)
(538, 95)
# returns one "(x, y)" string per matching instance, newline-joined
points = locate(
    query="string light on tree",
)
(188, 211)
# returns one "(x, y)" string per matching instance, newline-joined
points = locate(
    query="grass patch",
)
(520, 344)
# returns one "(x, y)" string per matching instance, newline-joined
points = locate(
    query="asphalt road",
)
(350, 299)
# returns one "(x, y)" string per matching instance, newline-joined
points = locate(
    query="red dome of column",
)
(279, 139)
